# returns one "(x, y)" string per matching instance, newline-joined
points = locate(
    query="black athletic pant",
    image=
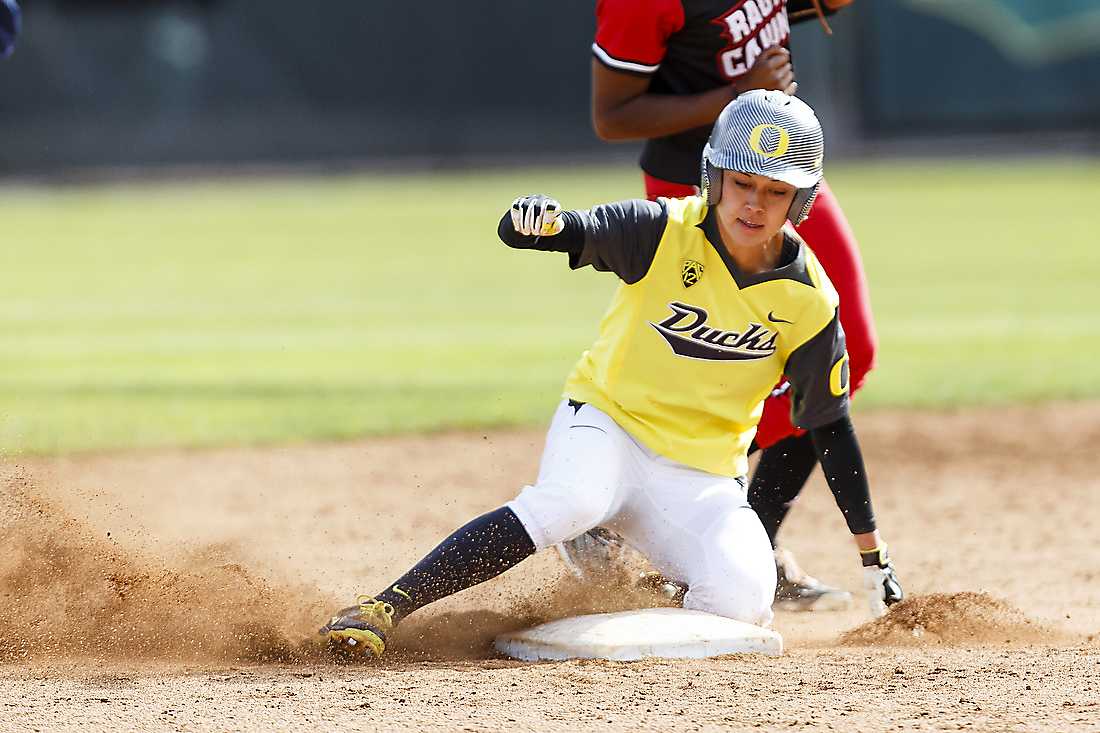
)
(780, 475)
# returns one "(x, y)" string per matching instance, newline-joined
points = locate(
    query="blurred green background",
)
(281, 310)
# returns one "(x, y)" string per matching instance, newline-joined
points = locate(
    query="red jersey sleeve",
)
(631, 34)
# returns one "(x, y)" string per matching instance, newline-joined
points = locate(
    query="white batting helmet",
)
(771, 134)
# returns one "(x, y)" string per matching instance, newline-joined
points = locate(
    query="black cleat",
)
(797, 591)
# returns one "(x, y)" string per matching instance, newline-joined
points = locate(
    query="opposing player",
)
(662, 70)
(717, 300)
(10, 24)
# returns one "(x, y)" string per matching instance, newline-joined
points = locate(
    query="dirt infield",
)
(178, 590)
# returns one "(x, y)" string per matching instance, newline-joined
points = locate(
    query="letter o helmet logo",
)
(781, 144)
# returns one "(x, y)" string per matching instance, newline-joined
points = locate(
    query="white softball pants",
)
(693, 526)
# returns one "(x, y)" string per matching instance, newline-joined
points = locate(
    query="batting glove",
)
(880, 581)
(537, 215)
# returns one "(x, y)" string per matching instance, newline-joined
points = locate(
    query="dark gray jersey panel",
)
(622, 237)
(817, 370)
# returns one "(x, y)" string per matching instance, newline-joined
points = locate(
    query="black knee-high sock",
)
(478, 551)
(782, 472)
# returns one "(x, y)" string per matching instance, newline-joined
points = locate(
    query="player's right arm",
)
(631, 37)
(818, 371)
(620, 237)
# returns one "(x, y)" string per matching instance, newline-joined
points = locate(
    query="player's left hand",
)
(536, 215)
(880, 581)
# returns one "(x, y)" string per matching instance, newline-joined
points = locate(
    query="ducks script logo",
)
(687, 332)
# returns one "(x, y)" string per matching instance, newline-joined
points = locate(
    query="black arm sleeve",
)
(621, 237)
(842, 462)
(570, 239)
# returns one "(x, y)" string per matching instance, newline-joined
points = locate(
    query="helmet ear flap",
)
(712, 183)
(802, 203)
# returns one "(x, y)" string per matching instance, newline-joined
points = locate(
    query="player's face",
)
(753, 208)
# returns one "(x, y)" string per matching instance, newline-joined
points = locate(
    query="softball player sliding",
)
(662, 70)
(717, 300)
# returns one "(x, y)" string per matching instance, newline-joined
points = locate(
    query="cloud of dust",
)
(67, 592)
(951, 619)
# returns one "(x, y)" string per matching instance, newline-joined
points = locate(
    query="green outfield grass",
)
(307, 308)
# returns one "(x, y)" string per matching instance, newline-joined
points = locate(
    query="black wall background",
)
(141, 82)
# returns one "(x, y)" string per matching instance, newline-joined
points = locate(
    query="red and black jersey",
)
(687, 47)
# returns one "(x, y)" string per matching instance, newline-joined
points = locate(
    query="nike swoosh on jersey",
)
(774, 319)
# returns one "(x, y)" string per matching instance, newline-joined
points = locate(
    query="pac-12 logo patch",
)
(687, 332)
(691, 272)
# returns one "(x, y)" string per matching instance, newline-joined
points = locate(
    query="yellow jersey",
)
(691, 346)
